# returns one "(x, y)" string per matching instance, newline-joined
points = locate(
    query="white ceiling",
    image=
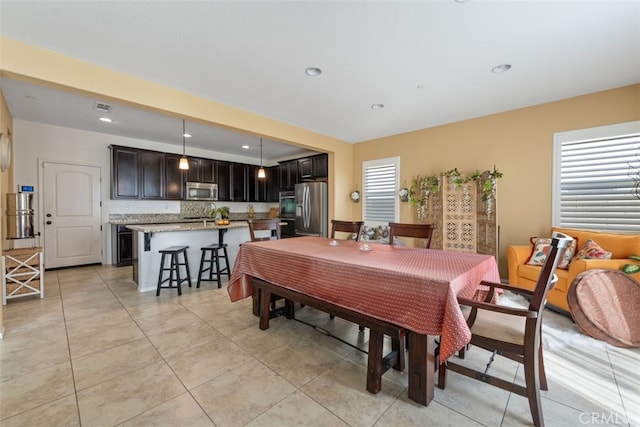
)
(428, 62)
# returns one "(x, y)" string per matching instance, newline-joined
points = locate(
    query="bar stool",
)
(174, 279)
(210, 262)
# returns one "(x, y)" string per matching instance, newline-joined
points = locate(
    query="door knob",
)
(48, 215)
(48, 222)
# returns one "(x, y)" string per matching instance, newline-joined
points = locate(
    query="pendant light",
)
(261, 173)
(184, 163)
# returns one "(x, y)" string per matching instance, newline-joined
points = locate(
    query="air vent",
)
(101, 106)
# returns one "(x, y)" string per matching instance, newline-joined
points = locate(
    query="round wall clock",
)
(5, 152)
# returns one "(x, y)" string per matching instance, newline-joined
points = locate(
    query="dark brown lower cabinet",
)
(121, 245)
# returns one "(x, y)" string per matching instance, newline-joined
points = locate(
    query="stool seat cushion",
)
(604, 304)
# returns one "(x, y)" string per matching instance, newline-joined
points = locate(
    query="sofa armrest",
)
(516, 255)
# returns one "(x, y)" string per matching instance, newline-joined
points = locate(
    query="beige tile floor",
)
(95, 352)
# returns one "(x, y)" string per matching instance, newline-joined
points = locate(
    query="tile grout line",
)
(105, 349)
(168, 365)
(66, 332)
(615, 378)
(254, 359)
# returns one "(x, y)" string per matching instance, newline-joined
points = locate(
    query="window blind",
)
(380, 184)
(597, 184)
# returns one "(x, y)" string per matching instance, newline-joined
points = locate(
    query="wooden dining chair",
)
(515, 333)
(417, 231)
(352, 227)
(272, 225)
(257, 229)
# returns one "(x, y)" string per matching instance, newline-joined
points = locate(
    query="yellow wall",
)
(519, 143)
(6, 181)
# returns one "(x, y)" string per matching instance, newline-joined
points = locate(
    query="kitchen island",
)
(148, 239)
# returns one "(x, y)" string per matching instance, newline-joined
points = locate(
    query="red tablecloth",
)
(409, 287)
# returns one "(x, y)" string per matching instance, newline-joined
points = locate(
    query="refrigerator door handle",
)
(307, 207)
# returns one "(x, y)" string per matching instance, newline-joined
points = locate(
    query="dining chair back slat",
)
(352, 227)
(271, 225)
(416, 231)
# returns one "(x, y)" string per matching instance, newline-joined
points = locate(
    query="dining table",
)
(414, 288)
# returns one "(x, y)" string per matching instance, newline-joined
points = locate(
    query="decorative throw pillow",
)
(369, 233)
(631, 268)
(591, 250)
(541, 247)
(383, 233)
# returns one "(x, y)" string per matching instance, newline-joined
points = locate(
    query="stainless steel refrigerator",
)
(311, 209)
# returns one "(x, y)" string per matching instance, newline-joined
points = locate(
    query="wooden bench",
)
(377, 363)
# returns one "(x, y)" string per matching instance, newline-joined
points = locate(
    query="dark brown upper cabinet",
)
(273, 184)
(125, 183)
(223, 179)
(305, 167)
(288, 172)
(239, 188)
(312, 168)
(151, 174)
(201, 170)
(320, 166)
(258, 186)
(173, 179)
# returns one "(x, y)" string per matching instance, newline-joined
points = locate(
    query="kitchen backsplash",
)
(192, 209)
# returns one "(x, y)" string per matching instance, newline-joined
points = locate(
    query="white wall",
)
(35, 143)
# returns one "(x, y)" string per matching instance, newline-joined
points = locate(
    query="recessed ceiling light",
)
(187, 135)
(377, 106)
(245, 147)
(313, 71)
(501, 68)
(105, 119)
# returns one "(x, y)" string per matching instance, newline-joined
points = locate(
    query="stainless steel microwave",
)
(201, 191)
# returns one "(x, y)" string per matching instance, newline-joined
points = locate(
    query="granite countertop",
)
(132, 219)
(194, 225)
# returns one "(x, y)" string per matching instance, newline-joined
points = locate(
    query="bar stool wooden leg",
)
(176, 269)
(201, 270)
(227, 269)
(216, 260)
(186, 266)
(160, 273)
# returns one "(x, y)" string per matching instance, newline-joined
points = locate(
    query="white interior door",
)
(72, 215)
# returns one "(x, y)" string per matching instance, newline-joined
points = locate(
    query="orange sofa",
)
(525, 276)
